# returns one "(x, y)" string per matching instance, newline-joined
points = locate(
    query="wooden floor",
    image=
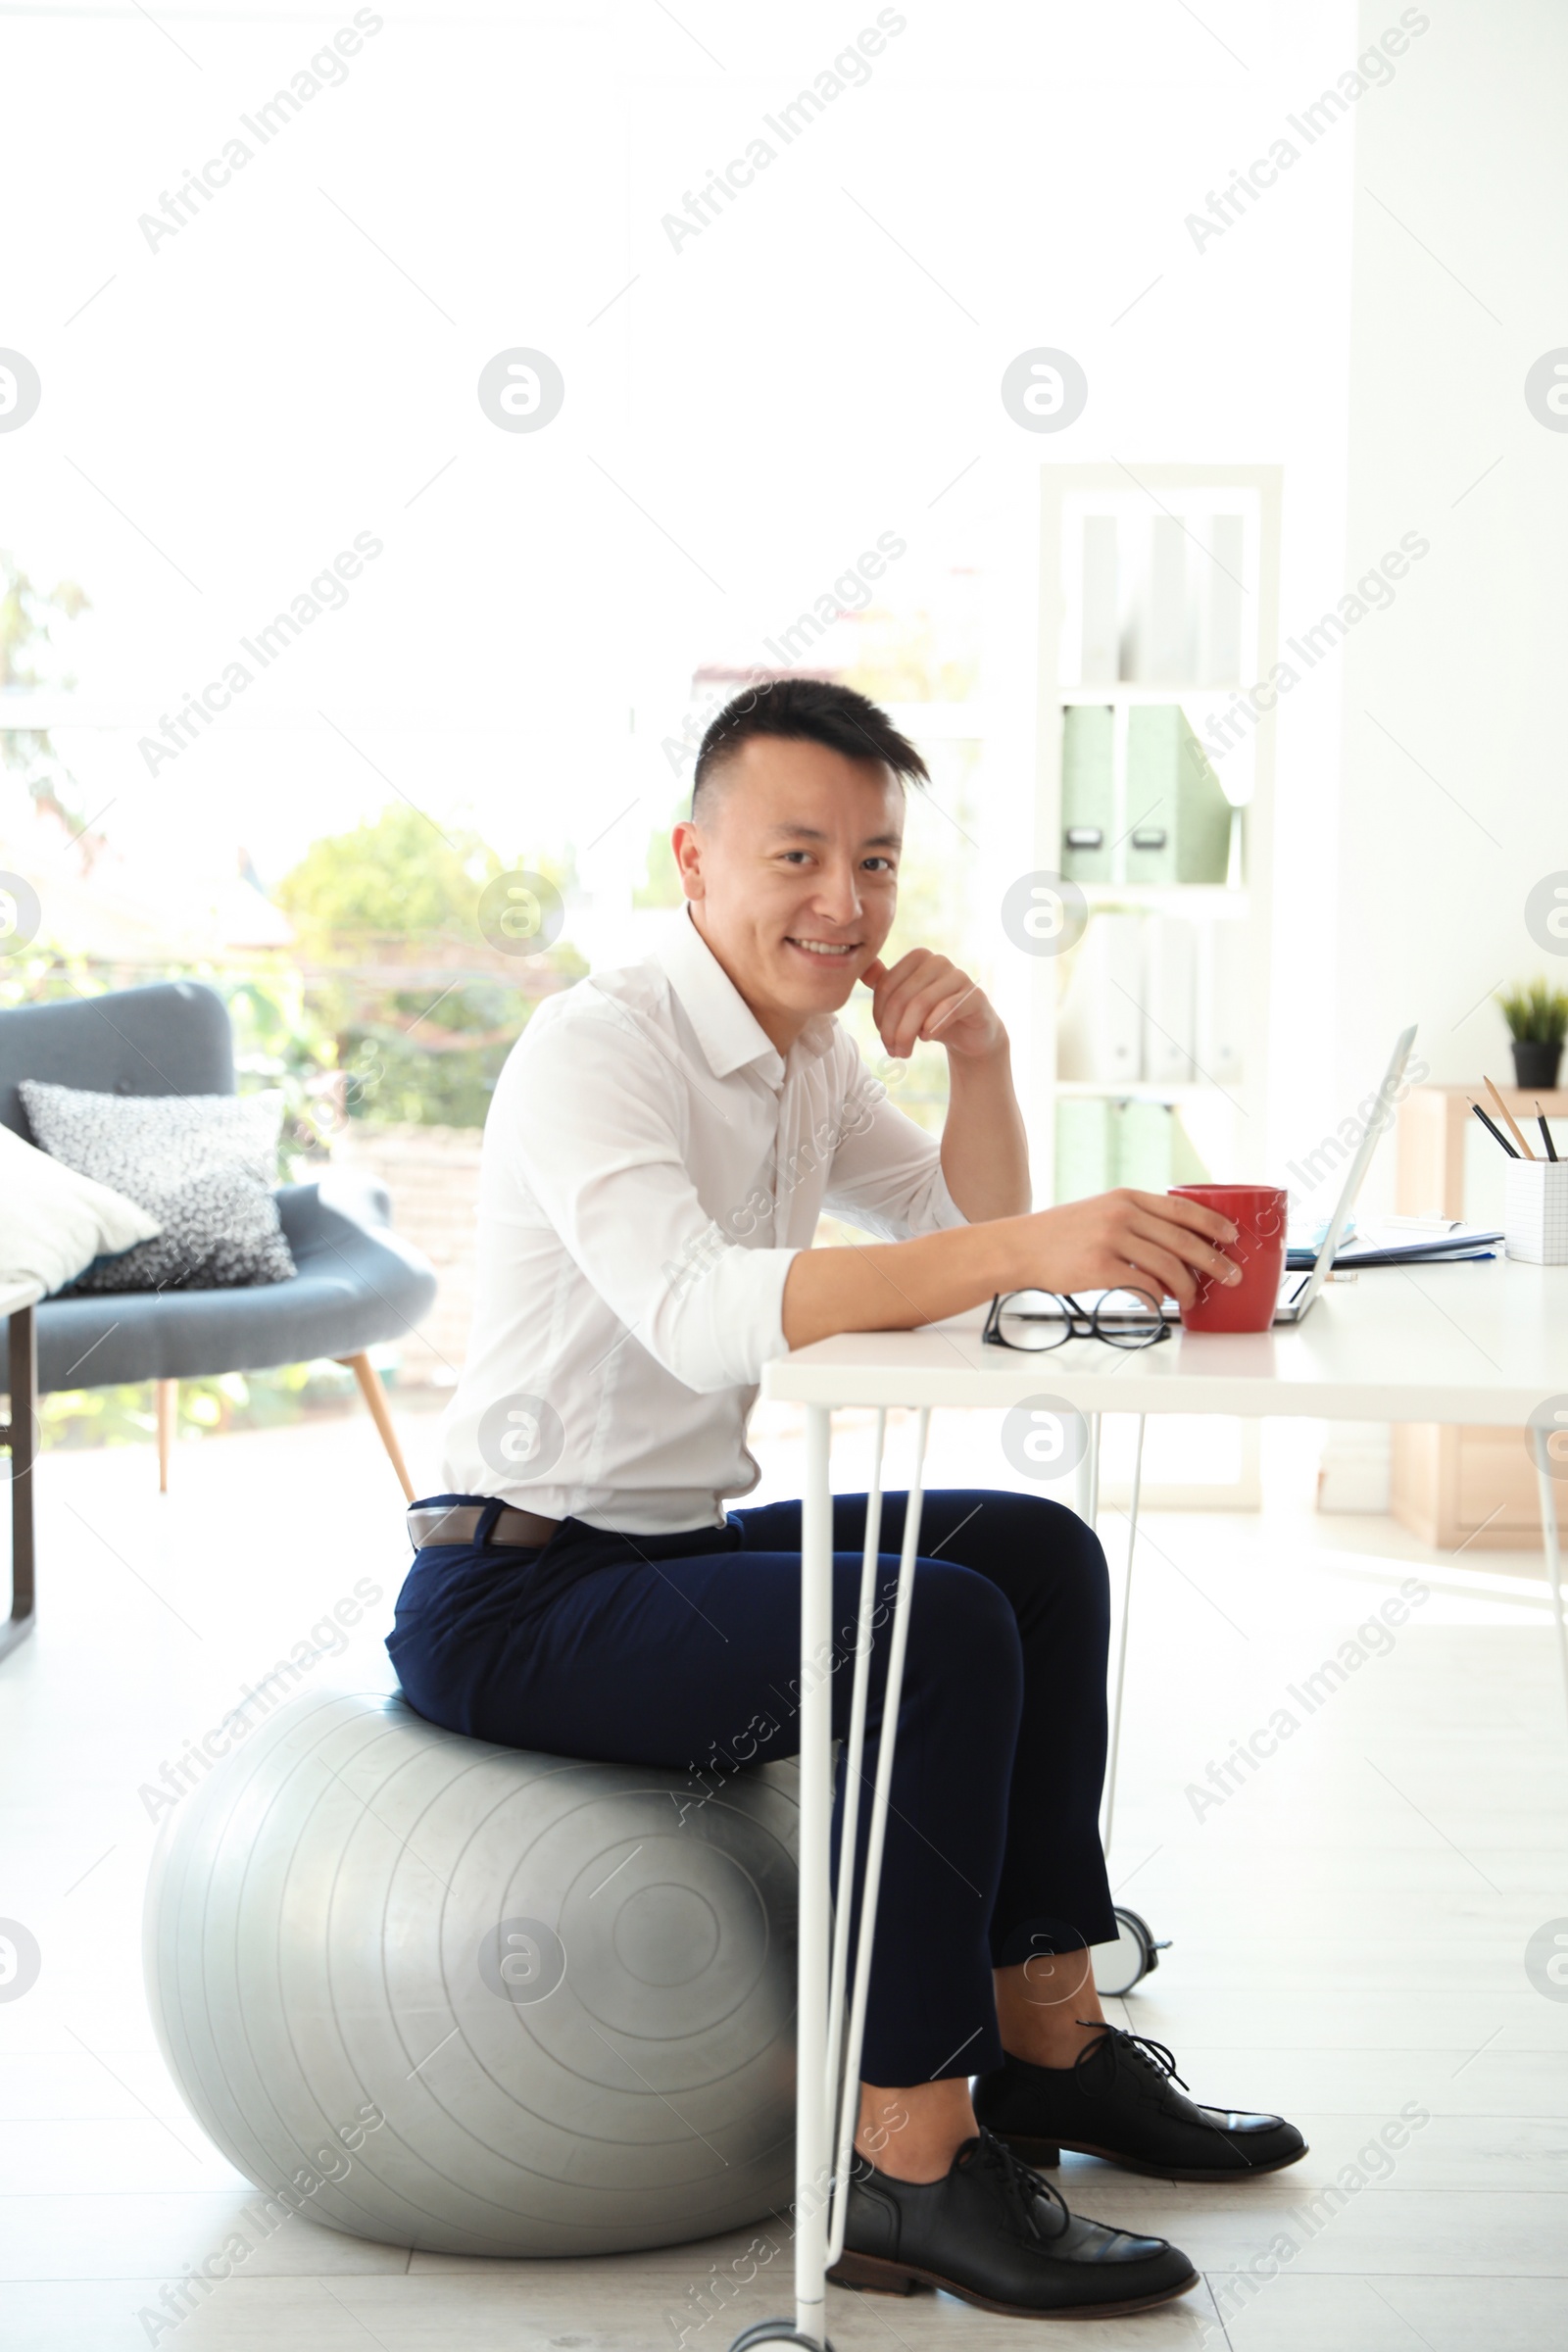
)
(1349, 1927)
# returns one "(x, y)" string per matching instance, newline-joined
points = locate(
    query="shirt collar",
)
(728, 1030)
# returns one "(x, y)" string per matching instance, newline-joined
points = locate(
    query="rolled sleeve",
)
(942, 1211)
(731, 1321)
(607, 1166)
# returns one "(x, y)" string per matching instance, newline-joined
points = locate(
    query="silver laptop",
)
(1298, 1291)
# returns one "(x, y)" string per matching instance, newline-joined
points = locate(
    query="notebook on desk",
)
(1406, 1241)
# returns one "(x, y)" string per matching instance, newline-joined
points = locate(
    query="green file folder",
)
(1178, 819)
(1104, 1141)
(1082, 1146)
(1086, 795)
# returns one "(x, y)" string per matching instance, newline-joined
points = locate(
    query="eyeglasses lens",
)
(1128, 1318)
(1032, 1319)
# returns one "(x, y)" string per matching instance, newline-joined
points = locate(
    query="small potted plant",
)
(1538, 1021)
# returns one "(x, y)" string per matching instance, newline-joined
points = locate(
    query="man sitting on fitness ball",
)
(663, 1141)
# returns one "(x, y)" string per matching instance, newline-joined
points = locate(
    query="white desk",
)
(1480, 1342)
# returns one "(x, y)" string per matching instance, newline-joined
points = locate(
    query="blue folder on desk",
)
(1406, 1241)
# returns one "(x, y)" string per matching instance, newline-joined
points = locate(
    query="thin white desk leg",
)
(1087, 1475)
(1548, 1529)
(853, 1756)
(875, 1831)
(813, 2127)
(1122, 1644)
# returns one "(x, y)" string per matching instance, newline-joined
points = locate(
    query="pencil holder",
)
(1535, 1214)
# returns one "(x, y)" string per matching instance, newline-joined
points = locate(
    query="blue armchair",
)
(358, 1283)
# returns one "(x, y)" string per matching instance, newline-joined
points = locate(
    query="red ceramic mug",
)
(1258, 1213)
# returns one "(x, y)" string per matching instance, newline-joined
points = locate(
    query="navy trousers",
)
(684, 1650)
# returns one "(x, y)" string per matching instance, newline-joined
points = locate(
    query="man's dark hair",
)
(807, 710)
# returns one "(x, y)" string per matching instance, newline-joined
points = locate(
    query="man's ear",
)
(685, 840)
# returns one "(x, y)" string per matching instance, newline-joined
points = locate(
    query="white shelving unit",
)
(1179, 532)
(1193, 616)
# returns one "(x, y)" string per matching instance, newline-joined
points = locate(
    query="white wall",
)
(1450, 803)
(745, 411)
(1453, 799)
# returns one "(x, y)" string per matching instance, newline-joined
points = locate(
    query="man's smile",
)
(830, 951)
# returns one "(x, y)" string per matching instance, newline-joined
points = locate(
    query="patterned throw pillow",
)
(204, 1165)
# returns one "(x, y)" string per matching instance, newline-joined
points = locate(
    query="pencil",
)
(1494, 1130)
(1546, 1131)
(1508, 1120)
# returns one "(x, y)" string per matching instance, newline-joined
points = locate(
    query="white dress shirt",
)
(651, 1166)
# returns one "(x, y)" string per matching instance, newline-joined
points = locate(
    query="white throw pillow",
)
(57, 1222)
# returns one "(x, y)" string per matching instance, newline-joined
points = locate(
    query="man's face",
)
(793, 871)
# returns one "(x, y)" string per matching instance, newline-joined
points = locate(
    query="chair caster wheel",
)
(1121, 1965)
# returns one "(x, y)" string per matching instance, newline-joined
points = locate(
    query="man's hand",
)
(1128, 1241)
(924, 995)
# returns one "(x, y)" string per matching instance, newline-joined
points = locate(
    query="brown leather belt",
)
(458, 1523)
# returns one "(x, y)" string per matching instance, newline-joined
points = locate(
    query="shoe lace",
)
(1023, 2191)
(1107, 2050)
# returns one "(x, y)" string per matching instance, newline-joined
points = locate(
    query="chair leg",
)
(374, 1396)
(167, 1416)
(21, 1435)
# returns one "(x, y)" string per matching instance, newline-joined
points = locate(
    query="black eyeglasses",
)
(1035, 1320)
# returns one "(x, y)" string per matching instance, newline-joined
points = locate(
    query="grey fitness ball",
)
(476, 2000)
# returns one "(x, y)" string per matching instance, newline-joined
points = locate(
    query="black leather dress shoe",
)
(988, 2230)
(1120, 2099)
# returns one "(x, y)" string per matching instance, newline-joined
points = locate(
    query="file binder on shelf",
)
(1222, 1004)
(1082, 1146)
(1086, 829)
(1102, 1142)
(1100, 1034)
(1177, 811)
(1170, 955)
